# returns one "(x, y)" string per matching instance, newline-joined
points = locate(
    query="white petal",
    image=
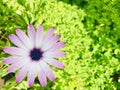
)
(16, 51)
(23, 37)
(54, 54)
(51, 42)
(48, 35)
(23, 71)
(14, 39)
(54, 62)
(31, 33)
(47, 70)
(32, 73)
(41, 76)
(15, 66)
(39, 36)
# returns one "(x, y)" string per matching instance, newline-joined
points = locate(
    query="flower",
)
(33, 53)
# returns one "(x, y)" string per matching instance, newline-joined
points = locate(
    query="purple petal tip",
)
(53, 80)
(18, 30)
(64, 66)
(59, 36)
(43, 84)
(10, 35)
(8, 70)
(3, 62)
(30, 85)
(4, 49)
(17, 81)
(40, 25)
(64, 43)
(52, 28)
(65, 54)
(29, 24)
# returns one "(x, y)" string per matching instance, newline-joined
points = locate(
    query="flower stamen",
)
(36, 54)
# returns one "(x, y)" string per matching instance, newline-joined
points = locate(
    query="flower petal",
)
(31, 33)
(48, 35)
(47, 70)
(15, 51)
(17, 65)
(42, 77)
(57, 46)
(39, 36)
(14, 39)
(54, 62)
(54, 54)
(50, 43)
(22, 36)
(31, 74)
(11, 59)
(23, 71)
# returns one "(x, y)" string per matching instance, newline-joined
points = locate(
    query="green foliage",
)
(90, 29)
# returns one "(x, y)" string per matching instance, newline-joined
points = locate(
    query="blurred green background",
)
(91, 30)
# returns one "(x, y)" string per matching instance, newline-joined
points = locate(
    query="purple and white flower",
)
(33, 53)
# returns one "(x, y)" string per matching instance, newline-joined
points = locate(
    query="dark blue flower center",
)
(36, 54)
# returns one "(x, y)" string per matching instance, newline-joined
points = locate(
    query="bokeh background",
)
(91, 30)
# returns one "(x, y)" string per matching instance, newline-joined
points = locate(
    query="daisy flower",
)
(33, 53)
